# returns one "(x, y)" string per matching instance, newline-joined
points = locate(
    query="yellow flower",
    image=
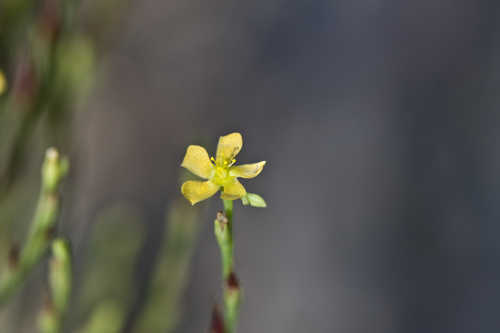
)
(3, 82)
(220, 173)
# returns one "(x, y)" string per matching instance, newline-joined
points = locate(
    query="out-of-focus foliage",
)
(108, 280)
(48, 59)
(60, 281)
(163, 308)
(49, 51)
(22, 262)
(109, 289)
(107, 317)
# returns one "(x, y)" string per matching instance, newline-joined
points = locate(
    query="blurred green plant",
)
(49, 62)
(39, 238)
(108, 316)
(108, 279)
(60, 280)
(162, 310)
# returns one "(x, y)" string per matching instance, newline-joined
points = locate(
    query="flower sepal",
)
(253, 200)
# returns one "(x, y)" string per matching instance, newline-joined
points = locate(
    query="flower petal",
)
(196, 191)
(233, 190)
(247, 170)
(229, 146)
(197, 161)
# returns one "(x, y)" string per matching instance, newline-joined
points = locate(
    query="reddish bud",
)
(232, 282)
(217, 324)
(50, 233)
(14, 256)
(50, 19)
(25, 81)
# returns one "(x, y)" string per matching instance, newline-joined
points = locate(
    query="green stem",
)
(42, 226)
(224, 234)
(232, 300)
(228, 210)
(226, 239)
(51, 317)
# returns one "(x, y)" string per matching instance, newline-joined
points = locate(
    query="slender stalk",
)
(52, 316)
(228, 210)
(224, 234)
(232, 300)
(42, 226)
(232, 293)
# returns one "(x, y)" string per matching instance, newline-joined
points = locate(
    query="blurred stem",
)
(45, 53)
(163, 308)
(51, 317)
(232, 294)
(15, 158)
(53, 171)
(60, 277)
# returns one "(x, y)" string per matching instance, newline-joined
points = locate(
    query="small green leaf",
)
(256, 200)
(244, 201)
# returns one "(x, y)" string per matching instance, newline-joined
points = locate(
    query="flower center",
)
(221, 172)
(221, 176)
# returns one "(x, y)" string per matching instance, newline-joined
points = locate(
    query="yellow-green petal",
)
(229, 146)
(197, 161)
(196, 191)
(3, 82)
(247, 170)
(233, 190)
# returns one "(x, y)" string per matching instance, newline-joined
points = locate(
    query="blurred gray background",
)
(379, 121)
